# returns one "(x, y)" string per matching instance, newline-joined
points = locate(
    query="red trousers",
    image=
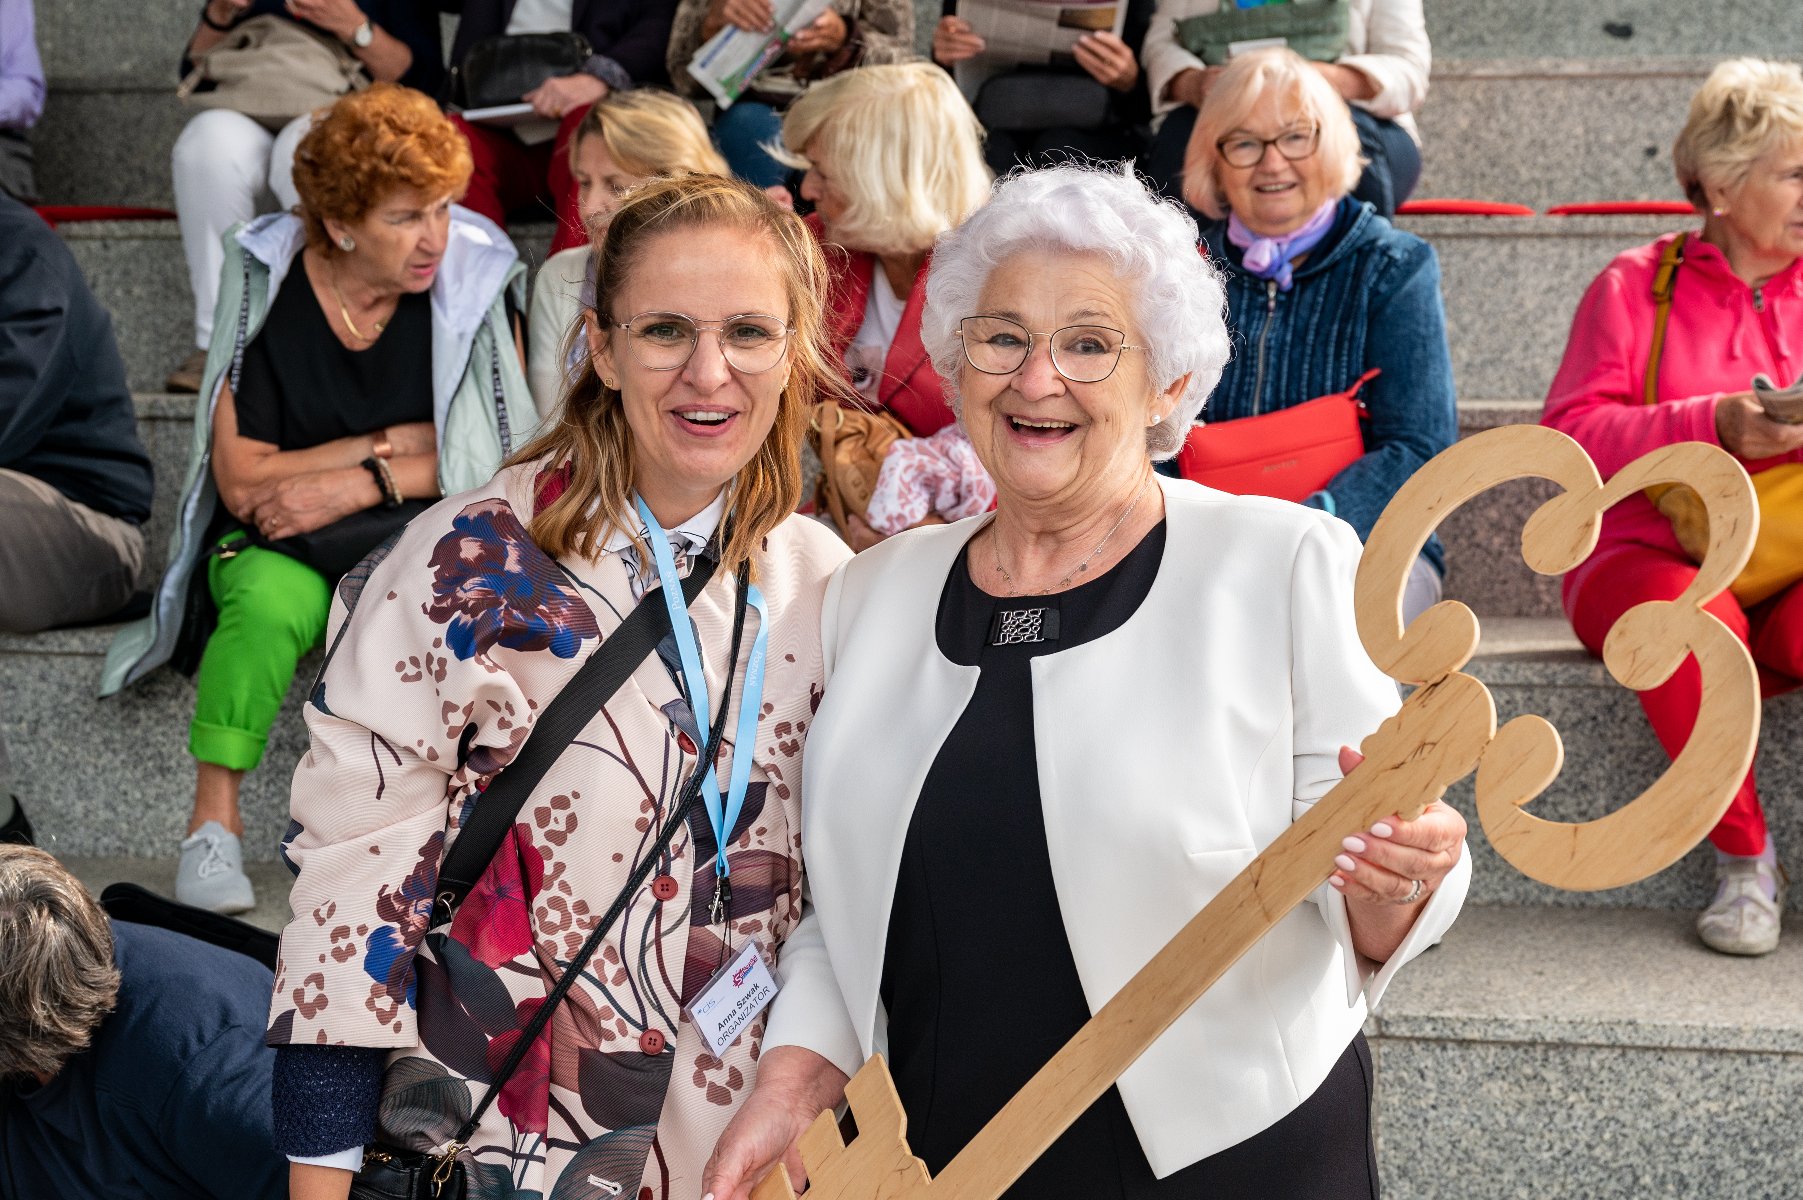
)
(510, 177)
(1617, 579)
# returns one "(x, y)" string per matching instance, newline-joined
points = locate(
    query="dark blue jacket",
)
(414, 22)
(170, 1102)
(1368, 296)
(65, 413)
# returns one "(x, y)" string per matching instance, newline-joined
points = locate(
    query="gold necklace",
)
(995, 548)
(345, 312)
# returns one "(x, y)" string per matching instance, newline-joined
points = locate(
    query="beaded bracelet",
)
(391, 494)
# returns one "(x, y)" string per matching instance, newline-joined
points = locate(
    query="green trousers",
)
(272, 610)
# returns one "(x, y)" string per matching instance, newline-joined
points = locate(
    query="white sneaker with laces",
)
(211, 874)
(1743, 919)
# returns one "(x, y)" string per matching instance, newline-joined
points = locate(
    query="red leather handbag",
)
(1290, 454)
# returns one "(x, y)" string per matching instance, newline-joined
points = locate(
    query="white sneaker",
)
(1742, 919)
(211, 874)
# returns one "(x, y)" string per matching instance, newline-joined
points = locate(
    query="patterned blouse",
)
(461, 633)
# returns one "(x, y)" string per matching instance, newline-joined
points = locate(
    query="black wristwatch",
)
(210, 23)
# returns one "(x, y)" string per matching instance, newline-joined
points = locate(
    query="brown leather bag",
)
(851, 443)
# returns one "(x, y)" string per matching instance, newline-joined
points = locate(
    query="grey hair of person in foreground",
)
(1150, 242)
(57, 978)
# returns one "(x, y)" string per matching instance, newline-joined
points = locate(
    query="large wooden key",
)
(1443, 731)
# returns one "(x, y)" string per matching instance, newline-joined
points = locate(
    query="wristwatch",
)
(364, 35)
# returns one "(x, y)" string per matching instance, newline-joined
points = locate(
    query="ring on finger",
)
(1417, 887)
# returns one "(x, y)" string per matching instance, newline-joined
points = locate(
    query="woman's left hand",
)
(340, 17)
(824, 35)
(1381, 865)
(1108, 59)
(559, 95)
(303, 503)
(794, 1086)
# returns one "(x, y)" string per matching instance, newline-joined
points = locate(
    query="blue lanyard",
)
(724, 819)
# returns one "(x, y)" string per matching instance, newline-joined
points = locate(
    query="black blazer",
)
(633, 33)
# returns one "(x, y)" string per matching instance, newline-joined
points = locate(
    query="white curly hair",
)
(1178, 302)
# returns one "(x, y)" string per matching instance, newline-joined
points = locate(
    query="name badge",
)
(733, 999)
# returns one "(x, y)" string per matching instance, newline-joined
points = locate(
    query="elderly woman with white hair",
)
(1324, 297)
(1725, 304)
(1050, 737)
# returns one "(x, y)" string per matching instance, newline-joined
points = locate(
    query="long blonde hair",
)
(591, 436)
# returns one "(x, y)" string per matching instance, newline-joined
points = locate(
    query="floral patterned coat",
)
(441, 654)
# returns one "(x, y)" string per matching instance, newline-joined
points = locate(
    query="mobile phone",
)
(1783, 405)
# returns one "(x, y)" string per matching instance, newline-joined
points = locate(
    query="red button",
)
(664, 888)
(651, 1042)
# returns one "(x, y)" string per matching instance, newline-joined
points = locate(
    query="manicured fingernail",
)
(1344, 863)
(1332, 881)
(1356, 845)
(1381, 829)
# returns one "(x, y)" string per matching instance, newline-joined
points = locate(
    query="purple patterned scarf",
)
(1270, 258)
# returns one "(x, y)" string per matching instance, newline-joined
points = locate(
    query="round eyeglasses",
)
(1244, 150)
(665, 341)
(1080, 353)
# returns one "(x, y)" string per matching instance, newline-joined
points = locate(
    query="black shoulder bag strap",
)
(679, 814)
(568, 713)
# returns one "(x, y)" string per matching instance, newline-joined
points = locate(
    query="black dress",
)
(978, 979)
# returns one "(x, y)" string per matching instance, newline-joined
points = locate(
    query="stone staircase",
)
(1558, 1044)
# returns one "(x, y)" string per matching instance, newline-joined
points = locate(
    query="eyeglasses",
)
(665, 341)
(1244, 150)
(1080, 353)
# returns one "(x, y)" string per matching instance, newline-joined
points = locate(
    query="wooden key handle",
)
(1444, 730)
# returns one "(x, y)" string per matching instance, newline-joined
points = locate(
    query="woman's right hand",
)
(307, 1182)
(954, 41)
(1746, 432)
(794, 1086)
(753, 16)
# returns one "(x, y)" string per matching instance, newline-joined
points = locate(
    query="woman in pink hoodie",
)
(1736, 311)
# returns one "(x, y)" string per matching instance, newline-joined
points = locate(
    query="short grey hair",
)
(58, 981)
(1178, 301)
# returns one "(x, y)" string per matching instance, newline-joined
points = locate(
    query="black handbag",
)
(502, 69)
(334, 549)
(390, 1174)
(139, 906)
(1028, 99)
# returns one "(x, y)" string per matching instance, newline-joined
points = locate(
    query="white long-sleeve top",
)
(1387, 42)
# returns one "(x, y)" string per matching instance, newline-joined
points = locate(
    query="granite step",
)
(1607, 1055)
(1481, 29)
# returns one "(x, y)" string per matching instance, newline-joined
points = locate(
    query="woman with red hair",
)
(326, 420)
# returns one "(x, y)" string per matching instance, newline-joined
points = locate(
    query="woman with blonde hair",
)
(1729, 298)
(540, 1027)
(624, 140)
(893, 159)
(1324, 295)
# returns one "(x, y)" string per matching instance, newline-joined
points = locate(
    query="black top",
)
(978, 979)
(301, 387)
(65, 412)
(171, 1101)
(632, 34)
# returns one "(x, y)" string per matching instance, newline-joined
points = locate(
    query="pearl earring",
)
(347, 243)
(1719, 212)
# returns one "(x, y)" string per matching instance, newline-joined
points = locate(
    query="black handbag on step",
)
(390, 1174)
(502, 69)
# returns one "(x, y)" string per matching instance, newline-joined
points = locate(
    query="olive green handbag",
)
(1318, 30)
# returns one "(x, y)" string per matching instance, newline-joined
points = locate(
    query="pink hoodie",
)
(1721, 333)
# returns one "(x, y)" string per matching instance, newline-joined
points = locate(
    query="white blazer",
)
(1171, 751)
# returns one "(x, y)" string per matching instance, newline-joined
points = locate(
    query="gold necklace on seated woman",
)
(345, 312)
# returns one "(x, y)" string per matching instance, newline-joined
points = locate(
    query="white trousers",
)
(227, 169)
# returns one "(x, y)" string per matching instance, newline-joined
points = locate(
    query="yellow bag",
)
(1777, 560)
